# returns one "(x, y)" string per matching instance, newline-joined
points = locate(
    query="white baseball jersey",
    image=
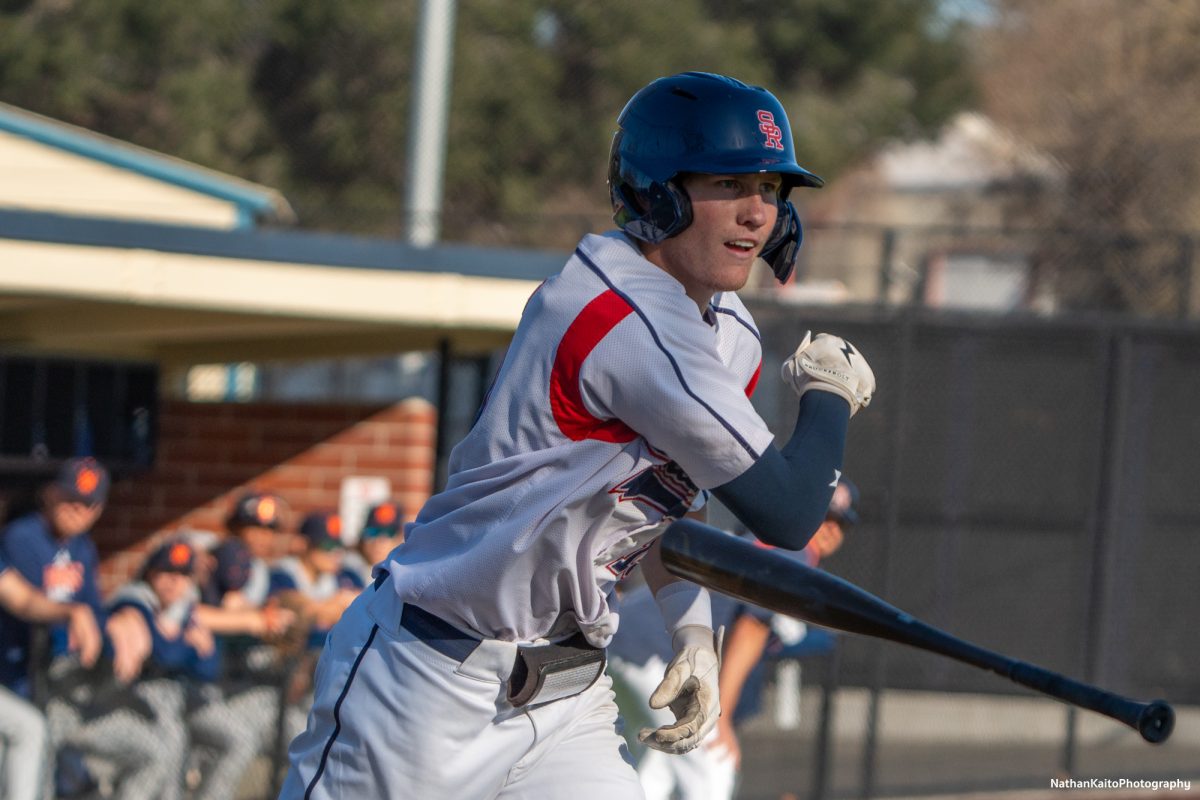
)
(616, 404)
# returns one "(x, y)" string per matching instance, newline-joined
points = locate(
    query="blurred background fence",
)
(1026, 485)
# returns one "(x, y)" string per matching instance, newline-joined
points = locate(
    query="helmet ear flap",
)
(652, 211)
(671, 208)
(783, 246)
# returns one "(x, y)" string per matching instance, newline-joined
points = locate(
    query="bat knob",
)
(1156, 721)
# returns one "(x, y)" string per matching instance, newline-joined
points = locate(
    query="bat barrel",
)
(705, 555)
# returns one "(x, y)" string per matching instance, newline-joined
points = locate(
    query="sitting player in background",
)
(317, 585)
(382, 531)
(317, 577)
(255, 633)
(183, 663)
(52, 549)
(22, 726)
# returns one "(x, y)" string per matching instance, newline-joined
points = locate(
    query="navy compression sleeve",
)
(784, 496)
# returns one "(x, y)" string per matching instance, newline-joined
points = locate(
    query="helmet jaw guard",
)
(697, 122)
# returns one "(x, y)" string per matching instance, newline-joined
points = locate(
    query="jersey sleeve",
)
(660, 373)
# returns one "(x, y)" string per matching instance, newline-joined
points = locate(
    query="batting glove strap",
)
(830, 364)
(689, 688)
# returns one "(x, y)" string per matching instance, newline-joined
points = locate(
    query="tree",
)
(311, 96)
(1121, 116)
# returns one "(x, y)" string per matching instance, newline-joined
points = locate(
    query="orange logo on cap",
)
(333, 525)
(266, 509)
(86, 481)
(385, 515)
(179, 555)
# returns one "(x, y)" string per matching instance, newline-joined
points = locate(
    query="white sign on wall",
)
(359, 493)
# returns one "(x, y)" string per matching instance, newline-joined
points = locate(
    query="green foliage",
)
(311, 96)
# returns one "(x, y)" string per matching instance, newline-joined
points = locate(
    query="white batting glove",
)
(830, 364)
(689, 689)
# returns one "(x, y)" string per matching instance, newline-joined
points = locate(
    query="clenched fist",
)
(830, 364)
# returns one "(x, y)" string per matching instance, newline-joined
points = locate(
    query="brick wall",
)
(209, 453)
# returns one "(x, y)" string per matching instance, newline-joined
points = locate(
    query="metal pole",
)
(1104, 519)
(427, 122)
(906, 322)
(886, 253)
(442, 444)
(823, 757)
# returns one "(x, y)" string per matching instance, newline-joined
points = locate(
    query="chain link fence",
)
(1025, 486)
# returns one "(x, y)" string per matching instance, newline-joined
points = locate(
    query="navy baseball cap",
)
(83, 480)
(842, 504)
(257, 509)
(382, 520)
(323, 530)
(233, 564)
(174, 556)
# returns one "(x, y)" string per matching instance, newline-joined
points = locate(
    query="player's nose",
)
(755, 211)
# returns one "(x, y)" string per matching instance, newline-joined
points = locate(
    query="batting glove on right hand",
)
(689, 689)
(830, 364)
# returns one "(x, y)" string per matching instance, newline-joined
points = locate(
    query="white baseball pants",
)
(394, 718)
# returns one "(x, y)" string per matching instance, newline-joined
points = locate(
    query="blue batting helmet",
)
(712, 124)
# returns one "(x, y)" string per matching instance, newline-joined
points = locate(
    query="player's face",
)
(325, 562)
(732, 218)
(376, 548)
(70, 518)
(171, 587)
(259, 541)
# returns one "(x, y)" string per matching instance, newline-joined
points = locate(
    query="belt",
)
(437, 633)
(540, 674)
(433, 631)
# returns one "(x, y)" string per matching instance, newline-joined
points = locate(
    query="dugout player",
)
(52, 549)
(22, 726)
(473, 667)
(183, 661)
(382, 532)
(234, 604)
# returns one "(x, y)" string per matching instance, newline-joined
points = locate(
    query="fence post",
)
(895, 460)
(1103, 517)
(822, 758)
(886, 252)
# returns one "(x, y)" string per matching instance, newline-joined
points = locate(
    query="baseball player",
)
(183, 660)
(382, 532)
(317, 575)
(51, 548)
(234, 604)
(473, 667)
(22, 726)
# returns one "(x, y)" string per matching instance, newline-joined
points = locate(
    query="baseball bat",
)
(736, 567)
